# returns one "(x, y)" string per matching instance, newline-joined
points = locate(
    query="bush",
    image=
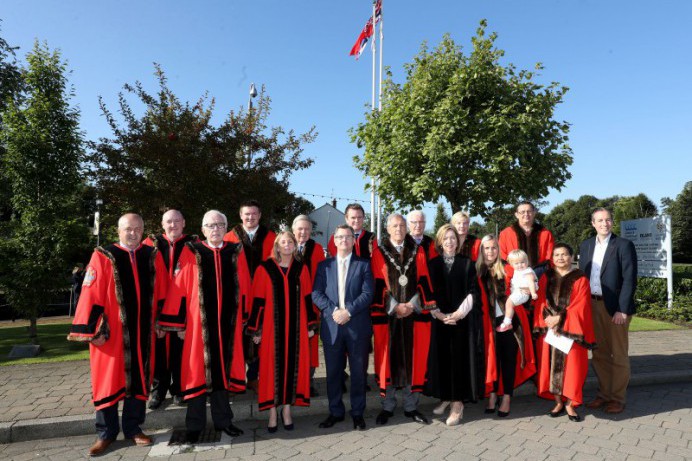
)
(651, 297)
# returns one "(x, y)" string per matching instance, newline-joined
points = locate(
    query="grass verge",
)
(51, 337)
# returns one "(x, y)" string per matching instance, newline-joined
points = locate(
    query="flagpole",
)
(379, 107)
(372, 180)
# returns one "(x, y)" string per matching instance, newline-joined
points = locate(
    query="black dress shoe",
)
(555, 414)
(233, 431)
(272, 429)
(575, 417)
(502, 414)
(417, 416)
(358, 423)
(383, 417)
(330, 421)
(192, 437)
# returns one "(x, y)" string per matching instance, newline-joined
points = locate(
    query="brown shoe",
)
(597, 403)
(99, 447)
(614, 408)
(142, 440)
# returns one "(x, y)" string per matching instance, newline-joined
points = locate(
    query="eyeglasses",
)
(343, 237)
(215, 225)
(415, 223)
(525, 212)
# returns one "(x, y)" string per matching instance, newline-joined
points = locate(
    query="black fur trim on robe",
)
(286, 346)
(529, 244)
(216, 350)
(135, 312)
(164, 247)
(253, 249)
(306, 256)
(467, 246)
(497, 292)
(401, 330)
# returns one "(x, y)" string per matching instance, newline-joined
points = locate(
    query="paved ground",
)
(45, 410)
(657, 424)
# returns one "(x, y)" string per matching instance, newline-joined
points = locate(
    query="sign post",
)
(652, 240)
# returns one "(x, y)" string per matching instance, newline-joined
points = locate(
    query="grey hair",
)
(213, 212)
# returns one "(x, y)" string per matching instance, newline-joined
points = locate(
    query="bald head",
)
(130, 229)
(173, 224)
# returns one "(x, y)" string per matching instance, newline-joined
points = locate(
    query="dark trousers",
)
(253, 370)
(356, 346)
(221, 413)
(167, 369)
(506, 357)
(108, 426)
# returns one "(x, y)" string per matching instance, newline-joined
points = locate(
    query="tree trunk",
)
(33, 330)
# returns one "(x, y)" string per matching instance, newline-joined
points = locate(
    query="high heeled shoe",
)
(555, 414)
(288, 427)
(575, 417)
(489, 410)
(454, 416)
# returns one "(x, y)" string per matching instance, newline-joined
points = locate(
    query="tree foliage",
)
(634, 207)
(172, 156)
(441, 218)
(41, 165)
(466, 128)
(680, 211)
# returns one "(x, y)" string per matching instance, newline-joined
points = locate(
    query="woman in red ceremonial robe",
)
(564, 306)
(281, 316)
(469, 245)
(508, 355)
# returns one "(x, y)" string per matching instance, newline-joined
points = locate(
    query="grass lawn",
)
(51, 337)
(57, 349)
(642, 324)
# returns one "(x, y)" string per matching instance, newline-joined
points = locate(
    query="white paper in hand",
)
(561, 343)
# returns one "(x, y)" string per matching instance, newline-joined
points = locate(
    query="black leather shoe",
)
(383, 417)
(192, 437)
(358, 423)
(575, 417)
(233, 431)
(555, 414)
(417, 416)
(330, 421)
(155, 402)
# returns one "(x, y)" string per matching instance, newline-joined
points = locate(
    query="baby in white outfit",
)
(524, 278)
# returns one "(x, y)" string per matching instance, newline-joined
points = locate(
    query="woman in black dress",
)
(456, 354)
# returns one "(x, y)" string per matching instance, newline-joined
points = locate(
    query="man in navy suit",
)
(610, 262)
(343, 291)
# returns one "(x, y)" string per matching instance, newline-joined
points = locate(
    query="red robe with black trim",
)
(538, 246)
(282, 312)
(363, 246)
(170, 253)
(569, 297)
(313, 254)
(206, 300)
(526, 366)
(257, 250)
(428, 245)
(119, 299)
(471, 247)
(401, 345)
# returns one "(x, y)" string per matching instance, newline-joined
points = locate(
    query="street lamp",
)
(97, 221)
(253, 94)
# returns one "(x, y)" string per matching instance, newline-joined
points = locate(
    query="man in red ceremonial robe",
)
(365, 242)
(169, 349)
(311, 253)
(526, 234)
(122, 287)
(205, 305)
(257, 241)
(416, 227)
(401, 319)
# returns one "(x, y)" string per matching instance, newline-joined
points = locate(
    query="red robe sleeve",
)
(317, 257)
(331, 246)
(261, 291)
(545, 246)
(244, 286)
(89, 320)
(173, 316)
(475, 250)
(379, 272)
(424, 284)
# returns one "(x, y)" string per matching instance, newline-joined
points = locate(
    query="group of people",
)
(445, 316)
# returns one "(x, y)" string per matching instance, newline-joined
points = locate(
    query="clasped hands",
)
(403, 310)
(341, 316)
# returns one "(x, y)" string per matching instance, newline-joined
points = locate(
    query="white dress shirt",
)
(596, 264)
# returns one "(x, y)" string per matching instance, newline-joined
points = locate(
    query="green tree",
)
(570, 221)
(172, 156)
(465, 128)
(441, 218)
(41, 164)
(680, 211)
(634, 207)
(10, 90)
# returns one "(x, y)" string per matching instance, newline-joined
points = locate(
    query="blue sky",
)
(627, 65)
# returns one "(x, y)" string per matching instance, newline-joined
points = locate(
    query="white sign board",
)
(652, 240)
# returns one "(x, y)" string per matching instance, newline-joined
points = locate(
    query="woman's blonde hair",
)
(497, 269)
(459, 215)
(275, 251)
(440, 235)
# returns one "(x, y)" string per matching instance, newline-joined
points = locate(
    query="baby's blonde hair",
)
(517, 255)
